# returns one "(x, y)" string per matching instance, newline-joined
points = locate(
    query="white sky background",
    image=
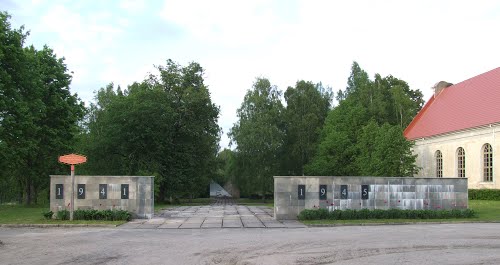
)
(421, 42)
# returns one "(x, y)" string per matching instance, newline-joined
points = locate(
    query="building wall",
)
(140, 195)
(292, 194)
(472, 141)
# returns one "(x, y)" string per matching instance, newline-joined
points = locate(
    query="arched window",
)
(461, 162)
(487, 163)
(439, 164)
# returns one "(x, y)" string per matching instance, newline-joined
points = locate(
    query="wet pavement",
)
(218, 215)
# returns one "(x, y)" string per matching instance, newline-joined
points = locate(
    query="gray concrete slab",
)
(157, 221)
(172, 223)
(231, 223)
(253, 224)
(212, 225)
(148, 226)
(213, 216)
(274, 224)
(190, 225)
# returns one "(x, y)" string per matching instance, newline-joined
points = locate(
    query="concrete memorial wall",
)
(292, 194)
(131, 193)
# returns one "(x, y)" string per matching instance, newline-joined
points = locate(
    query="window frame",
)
(439, 163)
(461, 162)
(487, 164)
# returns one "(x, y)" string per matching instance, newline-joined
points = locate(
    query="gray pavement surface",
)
(221, 214)
(389, 244)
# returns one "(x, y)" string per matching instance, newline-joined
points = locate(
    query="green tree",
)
(259, 137)
(359, 134)
(39, 115)
(385, 152)
(165, 126)
(307, 106)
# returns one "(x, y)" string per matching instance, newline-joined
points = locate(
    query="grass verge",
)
(18, 214)
(486, 211)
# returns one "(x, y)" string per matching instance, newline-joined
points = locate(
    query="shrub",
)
(48, 215)
(91, 214)
(490, 195)
(63, 215)
(322, 214)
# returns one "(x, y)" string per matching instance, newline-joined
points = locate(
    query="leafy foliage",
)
(63, 215)
(92, 214)
(486, 194)
(38, 114)
(307, 106)
(105, 215)
(322, 214)
(165, 126)
(363, 135)
(259, 135)
(48, 215)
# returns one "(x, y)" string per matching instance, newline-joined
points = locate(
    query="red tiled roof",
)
(471, 103)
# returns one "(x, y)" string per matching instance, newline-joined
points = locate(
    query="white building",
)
(456, 132)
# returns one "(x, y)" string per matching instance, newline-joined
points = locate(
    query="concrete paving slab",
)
(158, 221)
(148, 226)
(213, 220)
(274, 224)
(211, 225)
(190, 225)
(213, 216)
(137, 221)
(172, 223)
(253, 224)
(231, 223)
(194, 220)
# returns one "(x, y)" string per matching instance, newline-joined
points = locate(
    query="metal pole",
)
(72, 204)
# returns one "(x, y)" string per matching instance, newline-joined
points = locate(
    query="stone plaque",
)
(80, 191)
(124, 191)
(59, 191)
(343, 192)
(103, 191)
(364, 191)
(322, 192)
(302, 192)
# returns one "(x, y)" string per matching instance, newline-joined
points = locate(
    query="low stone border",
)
(404, 223)
(55, 225)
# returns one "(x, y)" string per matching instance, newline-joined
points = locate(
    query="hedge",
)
(322, 214)
(104, 215)
(490, 195)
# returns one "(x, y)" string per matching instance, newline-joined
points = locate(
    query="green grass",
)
(486, 211)
(18, 214)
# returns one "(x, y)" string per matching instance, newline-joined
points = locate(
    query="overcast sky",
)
(421, 42)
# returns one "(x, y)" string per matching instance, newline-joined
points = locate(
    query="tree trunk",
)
(28, 192)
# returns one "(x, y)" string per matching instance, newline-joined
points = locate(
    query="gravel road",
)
(389, 244)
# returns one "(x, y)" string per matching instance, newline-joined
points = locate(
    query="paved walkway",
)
(217, 215)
